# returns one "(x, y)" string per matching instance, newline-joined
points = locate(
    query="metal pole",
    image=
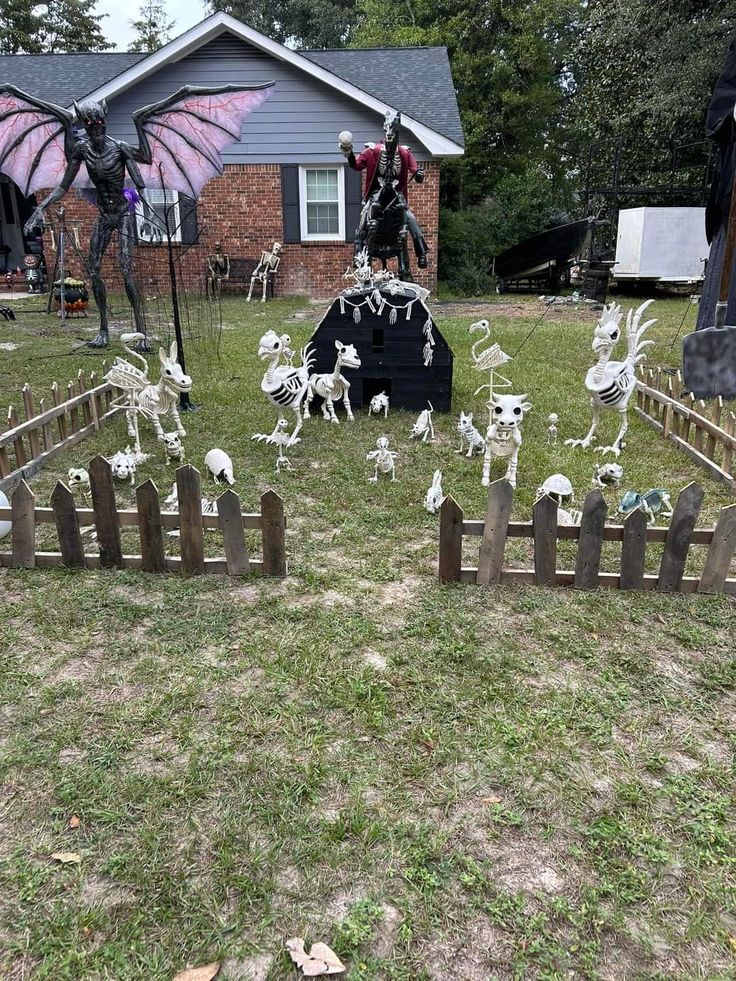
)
(62, 273)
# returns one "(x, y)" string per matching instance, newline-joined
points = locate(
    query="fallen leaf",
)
(732, 941)
(205, 973)
(67, 858)
(74, 821)
(492, 799)
(594, 636)
(320, 959)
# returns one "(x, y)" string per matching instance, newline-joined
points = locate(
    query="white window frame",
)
(158, 194)
(305, 236)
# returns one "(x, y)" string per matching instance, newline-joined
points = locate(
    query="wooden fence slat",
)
(716, 411)
(67, 527)
(493, 542)
(633, 551)
(23, 504)
(60, 420)
(5, 469)
(34, 439)
(720, 553)
(189, 491)
(233, 535)
(20, 451)
(95, 400)
(106, 515)
(151, 529)
(82, 388)
(74, 410)
(590, 543)
(451, 541)
(730, 429)
(48, 439)
(273, 534)
(544, 529)
(679, 533)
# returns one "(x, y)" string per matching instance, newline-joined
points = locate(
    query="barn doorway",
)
(374, 386)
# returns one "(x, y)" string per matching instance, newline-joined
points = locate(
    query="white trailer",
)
(665, 245)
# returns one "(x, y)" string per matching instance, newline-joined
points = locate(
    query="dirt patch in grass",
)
(475, 954)
(98, 890)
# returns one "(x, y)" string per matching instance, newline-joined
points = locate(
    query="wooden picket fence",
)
(634, 535)
(704, 432)
(26, 446)
(151, 522)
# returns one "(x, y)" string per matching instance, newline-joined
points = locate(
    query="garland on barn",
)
(389, 297)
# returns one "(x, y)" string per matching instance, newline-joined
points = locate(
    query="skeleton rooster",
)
(611, 383)
(285, 386)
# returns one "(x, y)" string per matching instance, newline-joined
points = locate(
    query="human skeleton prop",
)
(220, 466)
(435, 496)
(267, 266)
(140, 396)
(218, 271)
(383, 459)
(284, 385)
(423, 426)
(552, 419)
(180, 140)
(279, 437)
(611, 383)
(379, 403)
(335, 386)
(503, 438)
(469, 434)
(173, 447)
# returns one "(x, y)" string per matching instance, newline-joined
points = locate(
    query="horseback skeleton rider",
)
(386, 161)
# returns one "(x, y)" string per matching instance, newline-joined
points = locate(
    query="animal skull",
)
(171, 370)
(508, 411)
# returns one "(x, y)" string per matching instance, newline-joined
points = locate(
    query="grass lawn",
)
(447, 783)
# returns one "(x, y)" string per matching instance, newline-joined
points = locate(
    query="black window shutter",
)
(290, 203)
(353, 201)
(188, 219)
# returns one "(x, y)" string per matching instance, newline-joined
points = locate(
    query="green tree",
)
(70, 25)
(509, 65)
(301, 23)
(153, 28)
(19, 28)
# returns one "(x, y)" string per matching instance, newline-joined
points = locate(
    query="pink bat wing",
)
(35, 137)
(183, 136)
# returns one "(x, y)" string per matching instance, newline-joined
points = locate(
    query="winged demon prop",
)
(180, 140)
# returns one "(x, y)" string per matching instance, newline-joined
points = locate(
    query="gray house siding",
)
(298, 124)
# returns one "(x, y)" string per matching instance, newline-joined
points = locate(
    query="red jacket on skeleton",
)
(368, 161)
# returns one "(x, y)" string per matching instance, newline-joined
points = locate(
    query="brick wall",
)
(242, 209)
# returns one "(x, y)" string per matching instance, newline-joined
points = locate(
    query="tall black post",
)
(185, 404)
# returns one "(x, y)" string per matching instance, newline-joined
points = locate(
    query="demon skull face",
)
(391, 127)
(93, 116)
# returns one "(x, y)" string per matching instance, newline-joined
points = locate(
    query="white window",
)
(322, 203)
(166, 206)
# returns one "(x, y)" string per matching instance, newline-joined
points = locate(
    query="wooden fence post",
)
(544, 527)
(272, 530)
(33, 437)
(20, 451)
(233, 535)
(588, 559)
(189, 492)
(451, 541)
(61, 420)
(67, 527)
(495, 529)
(106, 514)
(720, 553)
(679, 533)
(633, 551)
(86, 407)
(150, 528)
(23, 505)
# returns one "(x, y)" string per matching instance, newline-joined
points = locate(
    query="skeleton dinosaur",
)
(612, 383)
(335, 386)
(141, 396)
(285, 386)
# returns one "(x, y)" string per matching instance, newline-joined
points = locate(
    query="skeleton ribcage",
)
(288, 392)
(386, 170)
(616, 391)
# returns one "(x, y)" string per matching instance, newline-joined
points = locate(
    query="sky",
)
(116, 26)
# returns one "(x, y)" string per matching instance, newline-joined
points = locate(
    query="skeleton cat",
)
(469, 434)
